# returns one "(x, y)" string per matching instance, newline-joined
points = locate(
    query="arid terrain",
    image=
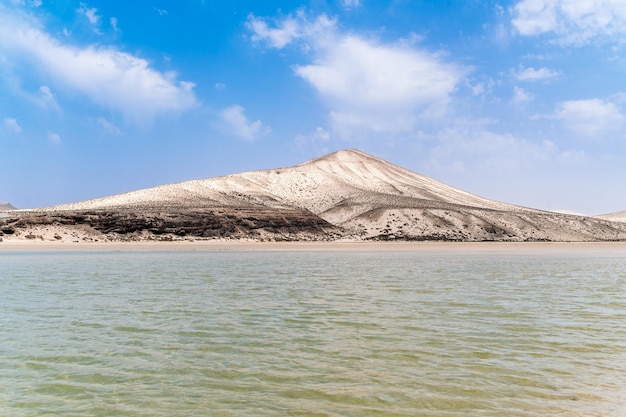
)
(620, 216)
(347, 195)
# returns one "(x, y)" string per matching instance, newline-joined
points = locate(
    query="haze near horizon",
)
(516, 101)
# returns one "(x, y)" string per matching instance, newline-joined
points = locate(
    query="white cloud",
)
(515, 169)
(521, 96)
(532, 74)
(572, 157)
(289, 29)
(321, 134)
(113, 22)
(45, 98)
(90, 13)
(238, 123)
(351, 3)
(54, 137)
(45, 93)
(591, 118)
(220, 86)
(12, 124)
(110, 127)
(361, 79)
(573, 22)
(368, 85)
(468, 149)
(278, 37)
(110, 78)
(32, 3)
(480, 88)
(318, 139)
(533, 17)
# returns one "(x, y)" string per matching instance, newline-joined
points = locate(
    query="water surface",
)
(352, 333)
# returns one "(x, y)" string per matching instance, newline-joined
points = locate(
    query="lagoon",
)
(320, 333)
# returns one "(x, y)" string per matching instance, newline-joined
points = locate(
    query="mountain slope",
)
(319, 185)
(620, 216)
(6, 206)
(365, 197)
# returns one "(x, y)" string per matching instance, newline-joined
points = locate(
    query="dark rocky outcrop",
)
(186, 223)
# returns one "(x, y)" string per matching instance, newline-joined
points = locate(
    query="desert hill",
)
(6, 206)
(620, 216)
(344, 194)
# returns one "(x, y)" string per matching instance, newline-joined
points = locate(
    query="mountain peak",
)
(345, 156)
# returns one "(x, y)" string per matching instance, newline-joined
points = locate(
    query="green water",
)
(312, 334)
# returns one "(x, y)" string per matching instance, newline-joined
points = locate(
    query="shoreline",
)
(607, 248)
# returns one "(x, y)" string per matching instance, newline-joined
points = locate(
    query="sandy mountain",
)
(361, 196)
(6, 206)
(325, 186)
(620, 216)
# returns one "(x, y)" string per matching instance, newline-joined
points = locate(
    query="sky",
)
(520, 101)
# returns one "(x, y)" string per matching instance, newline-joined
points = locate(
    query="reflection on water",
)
(312, 334)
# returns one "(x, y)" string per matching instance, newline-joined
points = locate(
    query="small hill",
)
(620, 216)
(344, 194)
(6, 206)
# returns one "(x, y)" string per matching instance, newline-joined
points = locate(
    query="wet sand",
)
(608, 248)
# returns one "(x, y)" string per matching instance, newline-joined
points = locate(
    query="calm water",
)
(312, 334)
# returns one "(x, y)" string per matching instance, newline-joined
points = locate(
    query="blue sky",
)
(519, 101)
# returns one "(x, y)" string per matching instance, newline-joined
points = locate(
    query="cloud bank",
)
(570, 22)
(110, 78)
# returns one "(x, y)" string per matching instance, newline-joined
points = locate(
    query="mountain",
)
(322, 186)
(345, 194)
(6, 206)
(620, 216)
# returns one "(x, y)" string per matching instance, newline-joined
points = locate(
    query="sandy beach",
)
(605, 248)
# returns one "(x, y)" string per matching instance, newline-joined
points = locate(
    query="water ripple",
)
(312, 334)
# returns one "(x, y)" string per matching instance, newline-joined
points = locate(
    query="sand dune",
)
(363, 197)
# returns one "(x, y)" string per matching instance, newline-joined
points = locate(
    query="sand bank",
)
(522, 248)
